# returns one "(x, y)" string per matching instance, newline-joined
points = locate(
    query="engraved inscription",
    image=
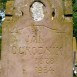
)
(44, 70)
(39, 46)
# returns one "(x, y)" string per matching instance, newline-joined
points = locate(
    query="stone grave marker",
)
(37, 40)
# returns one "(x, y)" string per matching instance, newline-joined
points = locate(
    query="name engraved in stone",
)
(35, 50)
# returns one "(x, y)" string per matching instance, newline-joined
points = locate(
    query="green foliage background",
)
(75, 18)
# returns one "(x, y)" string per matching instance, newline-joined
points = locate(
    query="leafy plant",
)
(75, 18)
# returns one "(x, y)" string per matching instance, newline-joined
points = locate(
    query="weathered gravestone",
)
(37, 40)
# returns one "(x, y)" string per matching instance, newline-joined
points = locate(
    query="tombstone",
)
(37, 40)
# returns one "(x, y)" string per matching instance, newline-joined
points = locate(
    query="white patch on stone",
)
(37, 11)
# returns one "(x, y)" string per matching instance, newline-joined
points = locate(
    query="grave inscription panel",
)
(38, 52)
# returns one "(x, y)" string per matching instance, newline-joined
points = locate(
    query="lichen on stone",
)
(37, 11)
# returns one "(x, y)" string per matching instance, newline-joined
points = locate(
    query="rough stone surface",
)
(0, 68)
(9, 10)
(37, 14)
(37, 49)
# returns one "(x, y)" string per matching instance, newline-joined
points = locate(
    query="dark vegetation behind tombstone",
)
(75, 18)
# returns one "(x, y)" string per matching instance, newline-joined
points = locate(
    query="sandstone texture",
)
(33, 47)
